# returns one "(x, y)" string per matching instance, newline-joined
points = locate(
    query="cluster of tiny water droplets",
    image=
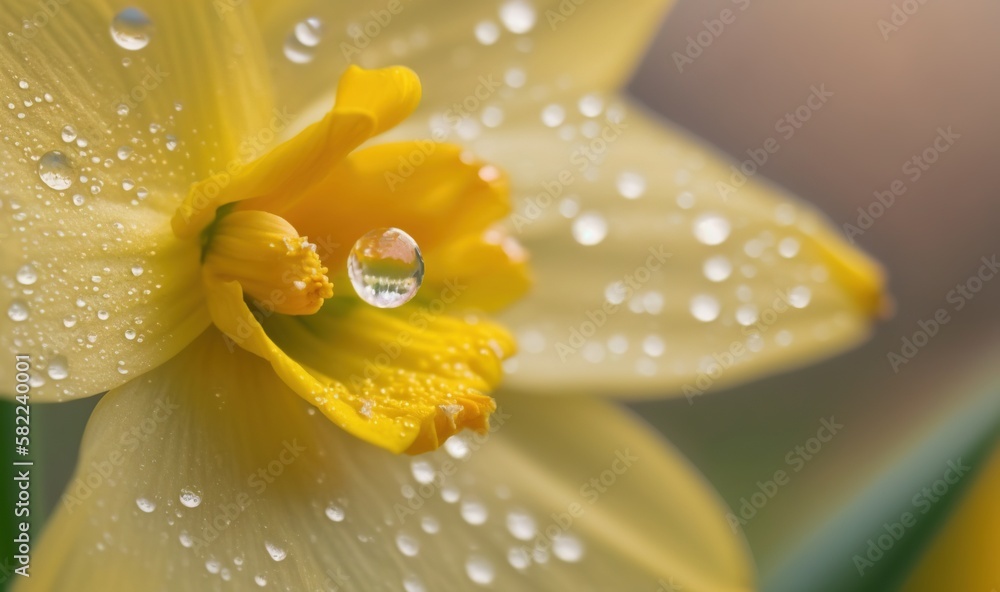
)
(85, 166)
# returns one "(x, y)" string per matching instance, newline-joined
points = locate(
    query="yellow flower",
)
(160, 243)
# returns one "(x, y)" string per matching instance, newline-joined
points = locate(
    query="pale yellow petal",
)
(287, 499)
(683, 286)
(570, 45)
(96, 289)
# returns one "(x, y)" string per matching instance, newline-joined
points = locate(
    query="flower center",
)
(276, 267)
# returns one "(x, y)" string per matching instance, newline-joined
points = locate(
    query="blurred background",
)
(893, 88)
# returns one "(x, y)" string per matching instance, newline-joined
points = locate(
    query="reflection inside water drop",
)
(131, 29)
(386, 267)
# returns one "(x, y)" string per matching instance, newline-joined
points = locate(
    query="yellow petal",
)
(404, 380)
(287, 499)
(368, 103)
(962, 556)
(679, 289)
(579, 46)
(441, 196)
(106, 292)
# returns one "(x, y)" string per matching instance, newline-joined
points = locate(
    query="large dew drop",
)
(131, 29)
(55, 170)
(385, 267)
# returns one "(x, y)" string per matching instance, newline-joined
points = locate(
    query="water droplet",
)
(335, 513)
(124, 152)
(146, 505)
(456, 447)
(631, 185)
(521, 525)
(653, 346)
(55, 170)
(407, 545)
(213, 566)
(413, 583)
(276, 552)
(130, 334)
(746, 315)
(567, 547)
(553, 115)
(590, 228)
(137, 270)
(590, 105)
(711, 229)
(190, 498)
(487, 32)
(260, 580)
(430, 524)
(479, 570)
(309, 32)
(122, 109)
(717, 268)
(58, 368)
(385, 267)
(128, 184)
(186, 539)
(492, 116)
(131, 29)
(515, 77)
(788, 247)
(69, 321)
(78, 200)
(705, 308)
(18, 311)
(68, 133)
(23, 84)
(800, 296)
(26, 275)
(474, 512)
(171, 142)
(518, 558)
(518, 16)
(423, 471)
(296, 51)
